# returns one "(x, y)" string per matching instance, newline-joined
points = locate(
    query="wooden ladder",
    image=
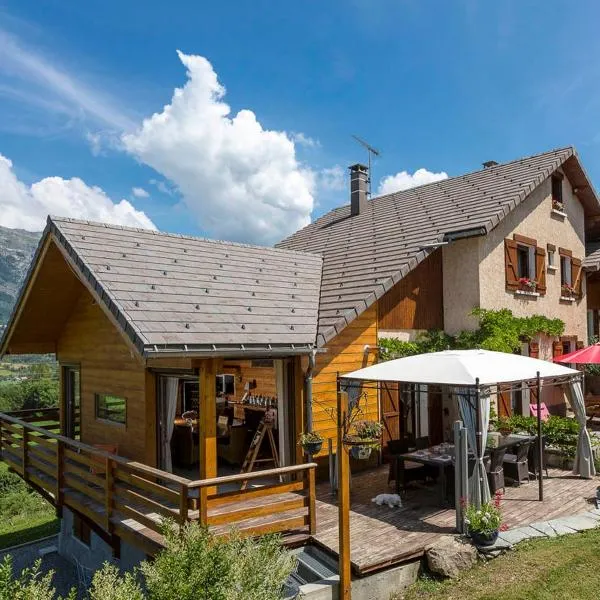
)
(264, 429)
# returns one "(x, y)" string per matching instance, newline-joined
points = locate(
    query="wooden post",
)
(312, 512)
(60, 453)
(298, 406)
(343, 463)
(207, 417)
(183, 504)
(203, 506)
(540, 439)
(24, 450)
(108, 494)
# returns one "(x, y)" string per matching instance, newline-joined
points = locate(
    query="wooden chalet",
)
(172, 349)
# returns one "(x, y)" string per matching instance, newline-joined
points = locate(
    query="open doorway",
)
(246, 390)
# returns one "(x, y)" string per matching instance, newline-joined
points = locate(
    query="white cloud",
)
(304, 140)
(139, 192)
(332, 179)
(404, 180)
(26, 207)
(162, 186)
(241, 181)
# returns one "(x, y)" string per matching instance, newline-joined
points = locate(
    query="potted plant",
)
(558, 205)
(311, 442)
(504, 426)
(568, 290)
(484, 522)
(365, 436)
(527, 284)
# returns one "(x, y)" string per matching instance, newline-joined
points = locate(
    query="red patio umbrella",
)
(589, 355)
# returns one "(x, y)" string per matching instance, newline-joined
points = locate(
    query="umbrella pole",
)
(478, 432)
(540, 440)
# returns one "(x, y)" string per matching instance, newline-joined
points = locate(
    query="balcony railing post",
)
(109, 491)
(183, 504)
(312, 513)
(60, 454)
(203, 508)
(25, 452)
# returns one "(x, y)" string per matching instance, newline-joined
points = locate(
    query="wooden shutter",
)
(557, 349)
(579, 345)
(534, 350)
(576, 275)
(504, 401)
(540, 270)
(510, 265)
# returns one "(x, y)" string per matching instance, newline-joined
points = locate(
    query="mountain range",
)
(16, 250)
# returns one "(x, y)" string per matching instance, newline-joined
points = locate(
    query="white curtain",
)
(584, 458)
(479, 489)
(170, 410)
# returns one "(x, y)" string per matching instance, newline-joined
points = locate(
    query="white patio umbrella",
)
(469, 371)
(461, 368)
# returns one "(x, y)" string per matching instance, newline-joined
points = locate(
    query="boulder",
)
(449, 556)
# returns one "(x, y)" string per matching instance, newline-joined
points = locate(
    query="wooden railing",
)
(113, 491)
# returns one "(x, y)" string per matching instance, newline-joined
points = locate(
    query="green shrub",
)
(29, 585)
(109, 584)
(198, 565)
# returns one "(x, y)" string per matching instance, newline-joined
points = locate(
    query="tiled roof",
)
(365, 255)
(592, 258)
(178, 293)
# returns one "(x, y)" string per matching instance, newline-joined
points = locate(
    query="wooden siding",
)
(593, 291)
(415, 302)
(344, 353)
(107, 366)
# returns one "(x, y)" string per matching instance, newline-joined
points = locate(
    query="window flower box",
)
(527, 293)
(559, 213)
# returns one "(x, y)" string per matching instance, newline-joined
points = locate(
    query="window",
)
(551, 259)
(81, 530)
(111, 408)
(557, 195)
(526, 261)
(225, 385)
(565, 270)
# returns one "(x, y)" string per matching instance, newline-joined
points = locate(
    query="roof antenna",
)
(371, 152)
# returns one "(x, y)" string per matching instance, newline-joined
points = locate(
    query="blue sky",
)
(440, 86)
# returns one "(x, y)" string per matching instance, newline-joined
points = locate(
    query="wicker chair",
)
(495, 470)
(516, 465)
(412, 471)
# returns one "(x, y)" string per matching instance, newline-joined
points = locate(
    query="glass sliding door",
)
(71, 391)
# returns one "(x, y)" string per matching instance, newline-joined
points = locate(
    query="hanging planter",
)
(311, 442)
(365, 437)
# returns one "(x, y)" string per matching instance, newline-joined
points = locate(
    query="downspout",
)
(308, 381)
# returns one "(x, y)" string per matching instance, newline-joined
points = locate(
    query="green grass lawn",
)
(24, 515)
(550, 569)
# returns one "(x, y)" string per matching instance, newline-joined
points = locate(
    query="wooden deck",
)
(382, 536)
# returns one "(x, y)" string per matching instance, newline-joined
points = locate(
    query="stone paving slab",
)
(579, 522)
(560, 528)
(520, 534)
(594, 514)
(545, 528)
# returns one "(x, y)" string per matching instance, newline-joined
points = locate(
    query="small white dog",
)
(392, 500)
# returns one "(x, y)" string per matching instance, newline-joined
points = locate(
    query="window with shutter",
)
(576, 275)
(557, 349)
(504, 401)
(534, 350)
(511, 265)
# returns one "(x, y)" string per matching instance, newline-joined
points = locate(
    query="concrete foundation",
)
(379, 586)
(92, 557)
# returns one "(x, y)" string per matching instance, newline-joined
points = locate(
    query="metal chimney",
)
(359, 185)
(489, 163)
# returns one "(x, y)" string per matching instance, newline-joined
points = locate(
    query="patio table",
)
(441, 457)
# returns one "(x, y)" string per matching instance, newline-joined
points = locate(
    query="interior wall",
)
(109, 366)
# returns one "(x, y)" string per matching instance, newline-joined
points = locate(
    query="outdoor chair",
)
(413, 471)
(422, 443)
(516, 465)
(495, 470)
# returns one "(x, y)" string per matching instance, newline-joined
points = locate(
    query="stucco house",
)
(173, 348)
